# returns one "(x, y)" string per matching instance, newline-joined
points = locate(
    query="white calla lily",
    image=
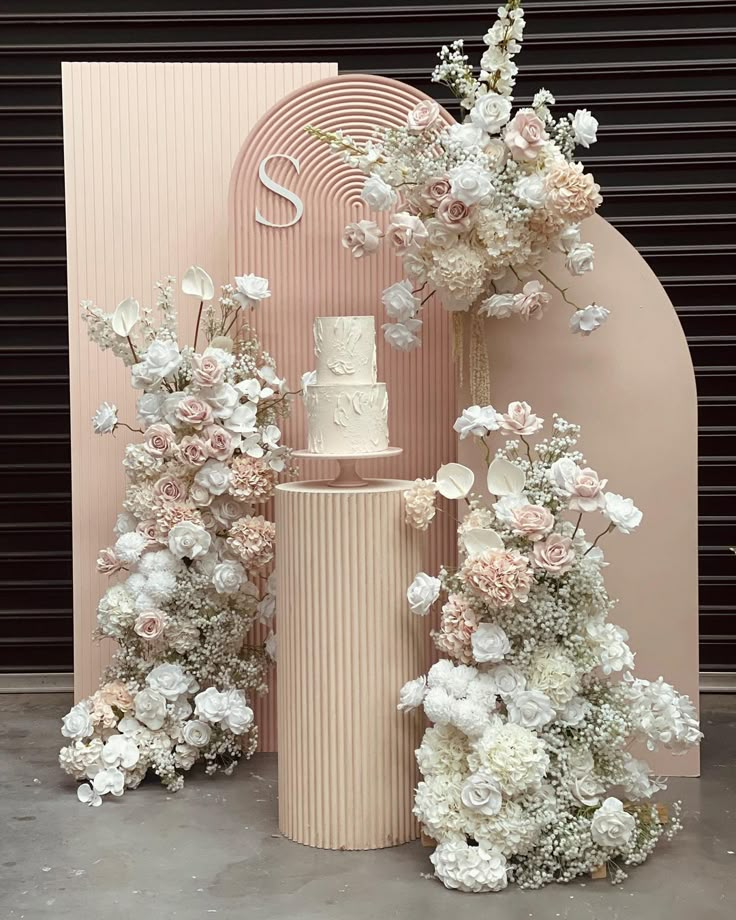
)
(125, 316)
(505, 478)
(480, 541)
(454, 480)
(198, 283)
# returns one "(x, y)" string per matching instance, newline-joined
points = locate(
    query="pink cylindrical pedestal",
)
(347, 643)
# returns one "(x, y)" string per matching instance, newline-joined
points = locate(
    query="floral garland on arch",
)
(526, 773)
(192, 548)
(478, 206)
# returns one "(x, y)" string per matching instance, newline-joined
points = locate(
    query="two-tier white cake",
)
(347, 410)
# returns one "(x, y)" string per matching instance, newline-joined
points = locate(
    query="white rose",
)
(585, 127)
(251, 290)
(422, 116)
(477, 421)
(412, 694)
(508, 680)
(470, 183)
(588, 320)
(422, 593)
(490, 643)
(498, 306)
(161, 359)
(468, 136)
(77, 723)
(622, 512)
(105, 419)
(238, 714)
(530, 709)
(150, 708)
(403, 336)
(406, 232)
(169, 680)
(378, 194)
(223, 399)
(531, 191)
(149, 408)
(196, 733)
(188, 540)
(228, 577)
(439, 234)
(611, 825)
(400, 302)
(213, 476)
(481, 793)
(491, 112)
(580, 259)
(563, 475)
(211, 705)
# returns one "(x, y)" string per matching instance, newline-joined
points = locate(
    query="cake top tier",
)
(345, 348)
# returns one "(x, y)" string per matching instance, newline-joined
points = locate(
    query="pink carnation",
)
(499, 577)
(457, 625)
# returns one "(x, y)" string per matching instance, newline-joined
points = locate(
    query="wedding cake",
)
(347, 410)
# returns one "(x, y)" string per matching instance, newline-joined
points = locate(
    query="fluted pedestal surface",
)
(347, 643)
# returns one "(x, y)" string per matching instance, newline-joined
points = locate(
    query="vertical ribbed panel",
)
(347, 643)
(148, 150)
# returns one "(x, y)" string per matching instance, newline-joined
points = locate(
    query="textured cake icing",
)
(345, 348)
(347, 410)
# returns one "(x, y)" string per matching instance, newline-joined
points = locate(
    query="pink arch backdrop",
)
(631, 386)
(312, 275)
(632, 389)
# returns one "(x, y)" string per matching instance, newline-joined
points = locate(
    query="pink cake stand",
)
(348, 476)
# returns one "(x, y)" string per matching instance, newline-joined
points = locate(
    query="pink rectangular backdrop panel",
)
(148, 151)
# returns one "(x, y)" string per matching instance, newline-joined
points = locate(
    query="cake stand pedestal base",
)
(347, 643)
(348, 476)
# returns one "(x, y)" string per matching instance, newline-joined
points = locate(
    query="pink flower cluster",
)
(499, 577)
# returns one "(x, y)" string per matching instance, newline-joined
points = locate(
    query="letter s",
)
(279, 190)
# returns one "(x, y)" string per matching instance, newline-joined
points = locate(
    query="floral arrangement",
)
(526, 772)
(477, 206)
(192, 547)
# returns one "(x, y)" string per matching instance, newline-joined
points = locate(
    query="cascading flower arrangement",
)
(192, 547)
(526, 773)
(478, 206)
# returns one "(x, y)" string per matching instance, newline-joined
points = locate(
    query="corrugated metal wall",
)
(658, 75)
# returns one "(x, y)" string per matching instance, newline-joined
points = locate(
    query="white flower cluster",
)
(192, 550)
(536, 704)
(478, 206)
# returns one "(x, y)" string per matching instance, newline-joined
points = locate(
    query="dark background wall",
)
(658, 75)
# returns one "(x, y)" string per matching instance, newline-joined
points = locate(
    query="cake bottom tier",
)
(344, 419)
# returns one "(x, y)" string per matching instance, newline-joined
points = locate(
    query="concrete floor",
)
(213, 850)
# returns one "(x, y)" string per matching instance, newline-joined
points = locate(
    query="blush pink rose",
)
(194, 450)
(158, 440)
(587, 491)
(406, 232)
(150, 624)
(219, 443)
(434, 191)
(208, 372)
(531, 301)
(194, 412)
(455, 214)
(519, 420)
(422, 116)
(147, 529)
(531, 521)
(555, 555)
(170, 489)
(107, 562)
(525, 136)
